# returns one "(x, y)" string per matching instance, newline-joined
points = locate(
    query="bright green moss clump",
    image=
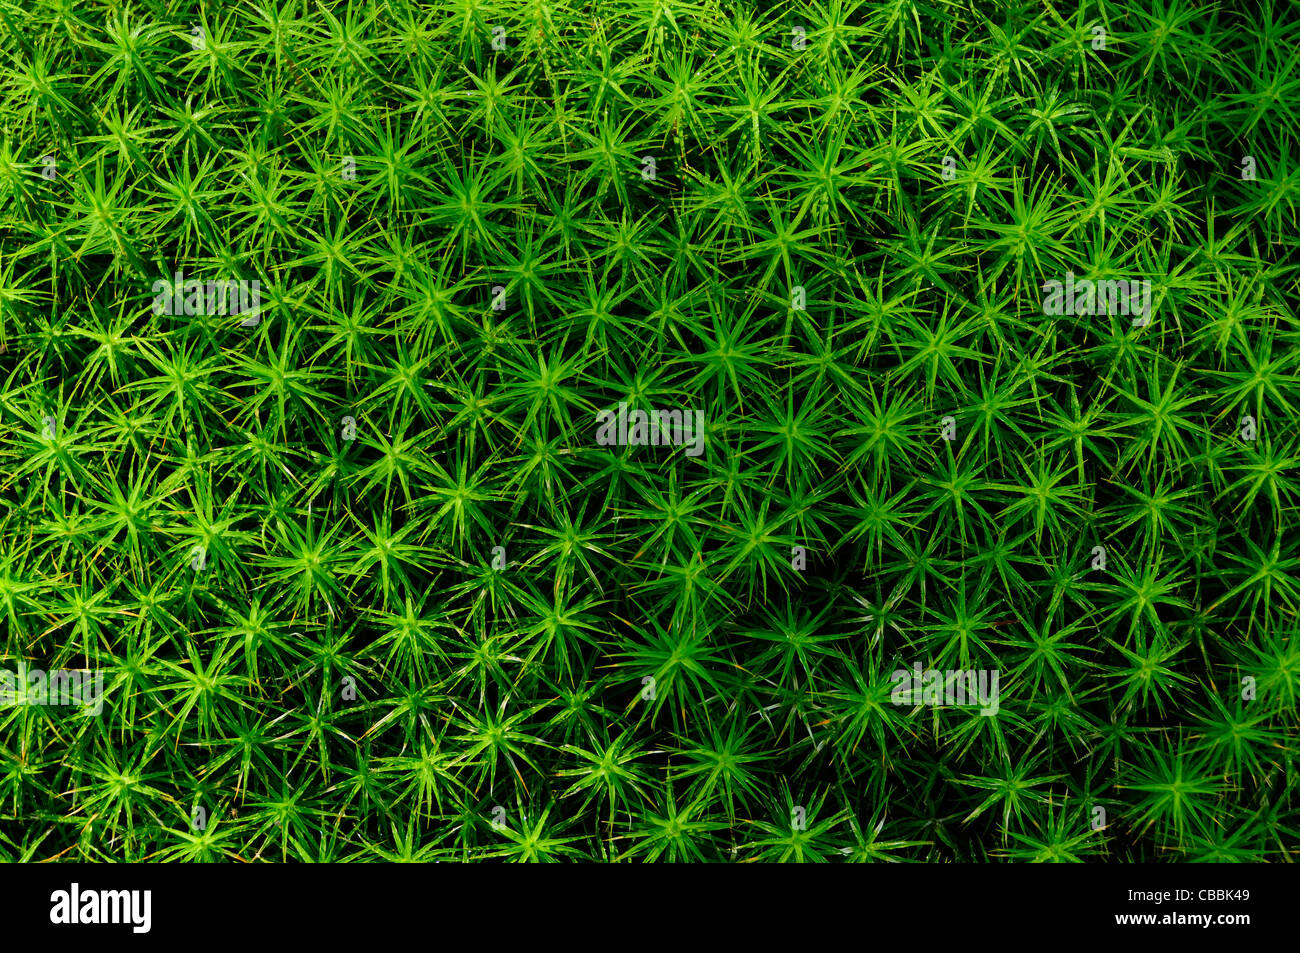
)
(553, 431)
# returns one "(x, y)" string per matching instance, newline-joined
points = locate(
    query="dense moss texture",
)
(362, 580)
